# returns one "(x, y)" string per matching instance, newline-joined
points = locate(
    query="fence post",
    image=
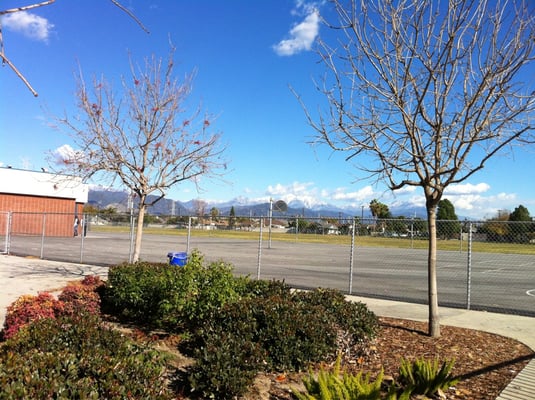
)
(7, 232)
(259, 250)
(43, 233)
(351, 257)
(461, 236)
(189, 234)
(469, 268)
(84, 221)
(131, 248)
(9, 227)
(270, 220)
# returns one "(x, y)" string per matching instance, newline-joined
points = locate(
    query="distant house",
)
(330, 229)
(35, 203)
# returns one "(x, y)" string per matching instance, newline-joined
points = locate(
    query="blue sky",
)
(247, 54)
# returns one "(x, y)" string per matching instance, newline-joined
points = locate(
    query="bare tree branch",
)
(18, 73)
(131, 15)
(26, 8)
(5, 59)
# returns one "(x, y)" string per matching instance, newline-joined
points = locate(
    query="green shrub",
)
(78, 357)
(264, 333)
(352, 317)
(229, 356)
(293, 334)
(135, 291)
(210, 287)
(168, 296)
(231, 348)
(281, 332)
(265, 288)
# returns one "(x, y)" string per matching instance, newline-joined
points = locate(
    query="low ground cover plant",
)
(78, 357)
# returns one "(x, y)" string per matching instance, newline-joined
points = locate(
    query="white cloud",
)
(302, 35)
(470, 202)
(295, 188)
(30, 25)
(65, 153)
(467, 188)
(340, 194)
(305, 192)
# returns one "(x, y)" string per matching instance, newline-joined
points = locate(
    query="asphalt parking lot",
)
(498, 282)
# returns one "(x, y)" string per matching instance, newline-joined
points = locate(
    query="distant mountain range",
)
(103, 199)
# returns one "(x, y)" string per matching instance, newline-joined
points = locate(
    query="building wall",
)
(34, 215)
(39, 202)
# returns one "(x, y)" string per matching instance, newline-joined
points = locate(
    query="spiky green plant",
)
(335, 385)
(426, 377)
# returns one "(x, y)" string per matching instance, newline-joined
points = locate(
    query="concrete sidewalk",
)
(27, 275)
(22, 275)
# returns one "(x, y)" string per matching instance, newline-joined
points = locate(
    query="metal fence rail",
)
(484, 265)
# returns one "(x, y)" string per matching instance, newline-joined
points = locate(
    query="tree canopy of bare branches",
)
(142, 134)
(428, 91)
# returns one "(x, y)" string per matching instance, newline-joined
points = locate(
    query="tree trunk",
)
(432, 289)
(139, 230)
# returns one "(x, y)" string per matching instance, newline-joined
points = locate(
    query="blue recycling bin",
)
(180, 258)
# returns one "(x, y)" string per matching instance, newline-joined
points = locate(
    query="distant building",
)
(33, 203)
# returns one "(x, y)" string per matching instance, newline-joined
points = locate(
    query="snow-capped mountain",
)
(246, 207)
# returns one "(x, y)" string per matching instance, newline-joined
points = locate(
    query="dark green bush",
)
(229, 356)
(352, 317)
(283, 332)
(292, 334)
(79, 358)
(170, 297)
(265, 288)
(135, 291)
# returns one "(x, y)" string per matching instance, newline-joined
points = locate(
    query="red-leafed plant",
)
(81, 297)
(29, 308)
(76, 298)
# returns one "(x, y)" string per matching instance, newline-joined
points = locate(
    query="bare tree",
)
(142, 135)
(6, 60)
(428, 91)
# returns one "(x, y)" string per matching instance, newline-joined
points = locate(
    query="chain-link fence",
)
(5, 222)
(485, 265)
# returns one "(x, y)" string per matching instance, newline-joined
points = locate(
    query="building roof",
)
(34, 183)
